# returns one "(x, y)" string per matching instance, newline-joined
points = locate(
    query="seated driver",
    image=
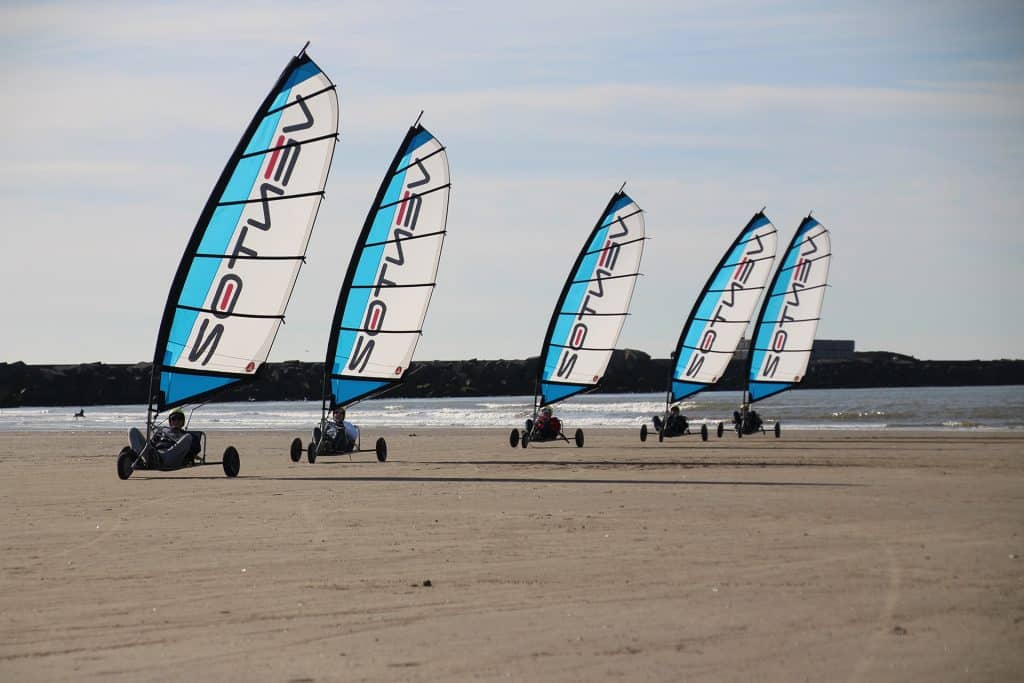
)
(340, 435)
(168, 446)
(674, 425)
(548, 426)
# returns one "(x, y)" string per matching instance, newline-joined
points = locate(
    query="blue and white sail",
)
(785, 329)
(594, 303)
(391, 275)
(724, 308)
(234, 281)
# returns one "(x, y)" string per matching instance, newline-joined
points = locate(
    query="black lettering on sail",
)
(399, 236)
(601, 275)
(760, 245)
(265, 190)
(567, 363)
(289, 155)
(771, 365)
(423, 169)
(625, 230)
(412, 211)
(695, 365)
(307, 121)
(204, 344)
(361, 354)
(240, 247)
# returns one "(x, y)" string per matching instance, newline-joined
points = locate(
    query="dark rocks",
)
(629, 371)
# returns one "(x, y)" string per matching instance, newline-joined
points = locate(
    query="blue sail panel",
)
(346, 391)
(235, 278)
(594, 302)
(551, 393)
(759, 390)
(178, 388)
(391, 274)
(681, 390)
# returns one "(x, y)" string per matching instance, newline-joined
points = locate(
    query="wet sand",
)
(820, 556)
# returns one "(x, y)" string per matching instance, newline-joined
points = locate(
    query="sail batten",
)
(783, 337)
(391, 275)
(238, 270)
(593, 305)
(723, 309)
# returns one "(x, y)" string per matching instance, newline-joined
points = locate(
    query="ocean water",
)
(930, 408)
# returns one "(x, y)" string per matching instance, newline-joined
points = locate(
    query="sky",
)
(900, 125)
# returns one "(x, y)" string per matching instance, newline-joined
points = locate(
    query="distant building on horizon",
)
(823, 349)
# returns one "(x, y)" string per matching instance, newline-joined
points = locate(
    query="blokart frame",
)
(523, 437)
(380, 447)
(128, 461)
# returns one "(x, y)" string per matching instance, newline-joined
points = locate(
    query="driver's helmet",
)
(546, 410)
(177, 412)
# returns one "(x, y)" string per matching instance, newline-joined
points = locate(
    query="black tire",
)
(232, 463)
(579, 438)
(704, 432)
(296, 450)
(524, 439)
(643, 433)
(720, 430)
(382, 449)
(778, 429)
(124, 462)
(311, 452)
(513, 438)
(661, 435)
(739, 432)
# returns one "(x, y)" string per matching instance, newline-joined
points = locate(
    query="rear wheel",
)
(579, 438)
(124, 462)
(296, 451)
(720, 430)
(232, 463)
(311, 452)
(643, 432)
(524, 439)
(513, 438)
(778, 429)
(704, 432)
(382, 449)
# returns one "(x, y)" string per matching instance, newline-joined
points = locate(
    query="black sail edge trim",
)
(609, 277)
(393, 285)
(279, 198)
(417, 194)
(294, 143)
(621, 244)
(225, 316)
(406, 239)
(353, 263)
(203, 221)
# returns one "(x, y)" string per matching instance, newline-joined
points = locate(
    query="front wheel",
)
(311, 452)
(513, 438)
(296, 450)
(720, 430)
(382, 449)
(524, 440)
(778, 429)
(643, 433)
(232, 463)
(579, 438)
(124, 462)
(704, 432)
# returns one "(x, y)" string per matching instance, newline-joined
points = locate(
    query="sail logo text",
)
(280, 165)
(789, 312)
(406, 218)
(605, 269)
(740, 275)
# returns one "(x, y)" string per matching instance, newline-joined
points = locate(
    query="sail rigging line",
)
(229, 346)
(407, 239)
(414, 195)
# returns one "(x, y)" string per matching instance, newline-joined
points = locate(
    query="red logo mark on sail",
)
(273, 157)
(250, 367)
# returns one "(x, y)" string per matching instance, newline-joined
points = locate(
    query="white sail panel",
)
(594, 303)
(724, 309)
(784, 334)
(391, 276)
(239, 270)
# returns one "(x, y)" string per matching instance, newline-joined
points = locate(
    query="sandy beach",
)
(824, 556)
